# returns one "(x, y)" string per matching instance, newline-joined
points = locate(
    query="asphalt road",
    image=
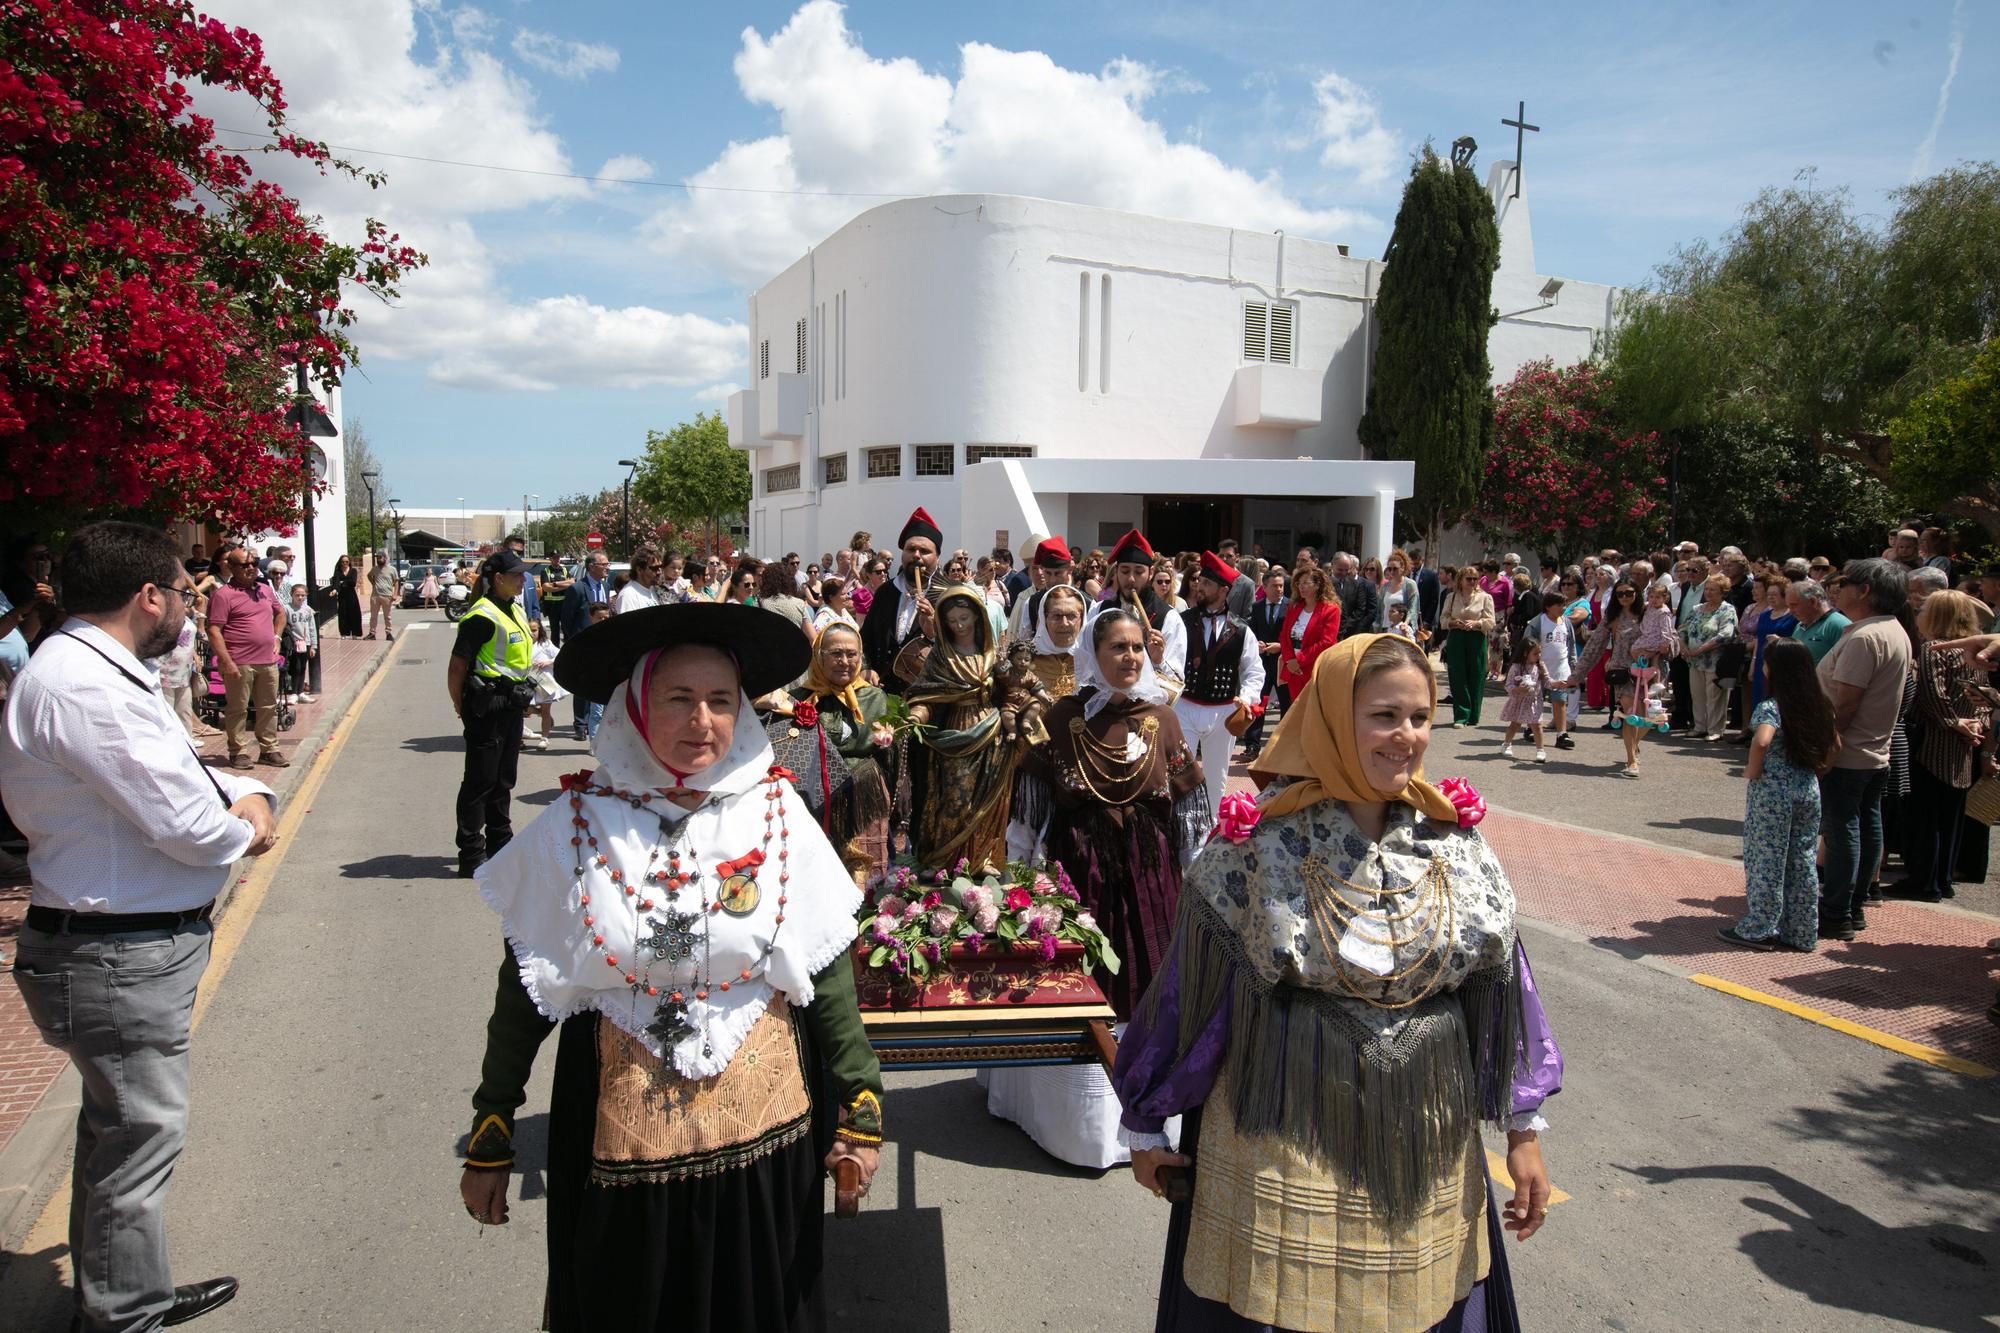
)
(1730, 1167)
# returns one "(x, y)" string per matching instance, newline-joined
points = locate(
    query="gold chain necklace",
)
(1333, 918)
(1092, 753)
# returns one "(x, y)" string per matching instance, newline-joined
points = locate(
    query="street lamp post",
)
(368, 479)
(633, 465)
(395, 530)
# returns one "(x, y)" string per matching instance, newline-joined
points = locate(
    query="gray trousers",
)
(120, 1006)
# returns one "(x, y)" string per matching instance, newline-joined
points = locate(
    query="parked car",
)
(413, 579)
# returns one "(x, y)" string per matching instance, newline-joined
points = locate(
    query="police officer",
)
(488, 683)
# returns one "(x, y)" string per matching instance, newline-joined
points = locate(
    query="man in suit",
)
(1243, 592)
(1358, 597)
(1267, 621)
(1015, 581)
(592, 586)
(1429, 595)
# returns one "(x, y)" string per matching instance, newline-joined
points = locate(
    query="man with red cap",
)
(1131, 587)
(1224, 674)
(901, 610)
(1049, 565)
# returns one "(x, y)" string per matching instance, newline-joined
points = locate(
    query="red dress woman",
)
(1312, 624)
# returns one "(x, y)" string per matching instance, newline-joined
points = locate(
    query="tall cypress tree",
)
(1431, 396)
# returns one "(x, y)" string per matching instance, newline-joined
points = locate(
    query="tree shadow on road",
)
(1923, 1129)
(34, 1290)
(399, 865)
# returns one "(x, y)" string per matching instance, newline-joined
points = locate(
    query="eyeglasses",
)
(188, 595)
(842, 655)
(1625, 592)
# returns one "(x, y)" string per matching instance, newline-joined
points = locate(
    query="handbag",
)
(1730, 659)
(1983, 801)
(1616, 676)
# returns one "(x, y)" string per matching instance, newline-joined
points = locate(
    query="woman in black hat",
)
(680, 914)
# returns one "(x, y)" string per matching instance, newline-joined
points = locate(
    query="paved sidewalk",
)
(29, 1069)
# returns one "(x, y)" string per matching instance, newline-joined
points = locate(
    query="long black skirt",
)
(736, 1252)
(1487, 1308)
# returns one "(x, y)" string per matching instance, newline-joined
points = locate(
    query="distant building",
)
(1020, 366)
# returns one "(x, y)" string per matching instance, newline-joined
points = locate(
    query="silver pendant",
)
(672, 938)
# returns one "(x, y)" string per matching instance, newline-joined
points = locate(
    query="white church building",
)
(1018, 366)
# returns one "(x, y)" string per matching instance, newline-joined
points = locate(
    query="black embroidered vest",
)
(1212, 672)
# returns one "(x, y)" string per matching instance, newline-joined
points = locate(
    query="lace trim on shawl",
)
(1392, 1108)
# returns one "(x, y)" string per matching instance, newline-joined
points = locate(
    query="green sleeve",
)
(834, 1019)
(514, 1034)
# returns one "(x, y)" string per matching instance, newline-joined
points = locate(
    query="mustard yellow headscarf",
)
(1315, 743)
(822, 686)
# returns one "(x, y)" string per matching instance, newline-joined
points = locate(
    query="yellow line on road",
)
(1496, 1167)
(50, 1227)
(1887, 1041)
(243, 904)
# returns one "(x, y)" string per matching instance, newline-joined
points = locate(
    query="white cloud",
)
(351, 74)
(1351, 127)
(623, 167)
(715, 393)
(562, 57)
(1012, 122)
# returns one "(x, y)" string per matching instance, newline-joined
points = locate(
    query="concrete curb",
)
(34, 1161)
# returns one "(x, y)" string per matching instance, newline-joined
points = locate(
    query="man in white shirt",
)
(642, 589)
(1223, 674)
(129, 840)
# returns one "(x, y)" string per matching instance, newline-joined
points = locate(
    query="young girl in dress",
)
(1649, 659)
(1526, 680)
(1792, 742)
(427, 591)
(542, 671)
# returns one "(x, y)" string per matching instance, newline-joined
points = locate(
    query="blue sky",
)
(561, 319)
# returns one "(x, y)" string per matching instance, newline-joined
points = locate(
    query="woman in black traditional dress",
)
(347, 596)
(683, 918)
(1123, 806)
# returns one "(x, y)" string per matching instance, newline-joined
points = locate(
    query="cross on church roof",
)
(1519, 125)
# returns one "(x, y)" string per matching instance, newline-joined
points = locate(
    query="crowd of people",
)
(1321, 991)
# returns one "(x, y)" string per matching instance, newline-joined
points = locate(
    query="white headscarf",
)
(532, 884)
(1090, 676)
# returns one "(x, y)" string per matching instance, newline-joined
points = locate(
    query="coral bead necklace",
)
(662, 928)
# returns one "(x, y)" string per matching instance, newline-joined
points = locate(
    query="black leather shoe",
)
(469, 866)
(198, 1298)
(1829, 930)
(1857, 920)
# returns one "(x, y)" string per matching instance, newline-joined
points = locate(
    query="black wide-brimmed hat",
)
(769, 649)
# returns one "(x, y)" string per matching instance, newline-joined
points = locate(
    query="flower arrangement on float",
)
(917, 926)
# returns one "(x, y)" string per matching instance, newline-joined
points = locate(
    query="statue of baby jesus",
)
(1021, 696)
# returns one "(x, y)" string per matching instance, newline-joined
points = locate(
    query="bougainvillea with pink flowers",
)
(154, 292)
(1563, 477)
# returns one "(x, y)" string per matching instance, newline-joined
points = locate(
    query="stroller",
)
(212, 703)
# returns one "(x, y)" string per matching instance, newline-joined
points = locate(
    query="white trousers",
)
(1202, 725)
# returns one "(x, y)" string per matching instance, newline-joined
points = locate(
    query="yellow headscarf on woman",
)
(1315, 743)
(822, 685)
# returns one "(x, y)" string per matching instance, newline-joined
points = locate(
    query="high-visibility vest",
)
(512, 629)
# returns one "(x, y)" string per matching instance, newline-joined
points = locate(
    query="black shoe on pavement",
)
(198, 1298)
(1873, 897)
(468, 865)
(1907, 891)
(1565, 742)
(1831, 931)
(1858, 920)
(1761, 946)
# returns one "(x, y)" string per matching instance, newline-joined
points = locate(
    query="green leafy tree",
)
(1431, 398)
(565, 524)
(692, 477)
(1809, 320)
(1947, 443)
